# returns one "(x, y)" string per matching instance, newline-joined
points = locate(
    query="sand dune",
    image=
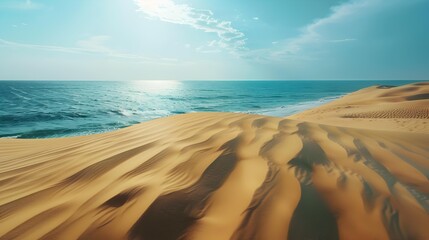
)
(404, 108)
(347, 170)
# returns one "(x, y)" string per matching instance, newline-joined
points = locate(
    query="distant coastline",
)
(51, 109)
(354, 168)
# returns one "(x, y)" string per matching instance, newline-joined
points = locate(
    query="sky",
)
(214, 39)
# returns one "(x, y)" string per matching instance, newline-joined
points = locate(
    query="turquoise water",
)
(45, 109)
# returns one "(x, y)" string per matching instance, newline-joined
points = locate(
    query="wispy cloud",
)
(311, 33)
(229, 38)
(20, 5)
(95, 45)
(20, 25)
(343, 40)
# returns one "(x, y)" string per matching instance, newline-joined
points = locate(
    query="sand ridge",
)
(225, 176)
(403, 108)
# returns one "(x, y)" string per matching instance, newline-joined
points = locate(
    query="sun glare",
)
(157, 86)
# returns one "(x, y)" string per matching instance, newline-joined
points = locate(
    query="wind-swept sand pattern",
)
(226, 176)
(404, 108)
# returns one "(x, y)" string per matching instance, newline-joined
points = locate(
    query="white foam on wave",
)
(11, 137)
(125, 113)
(288, 110)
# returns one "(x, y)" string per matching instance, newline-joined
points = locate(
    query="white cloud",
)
(230, 38)
(6, 43)
(95, 45)
(256, 18)
(329, 29)
(311, 34)
(210, 47)
(352, 37)
(343, 40)
(20, 25)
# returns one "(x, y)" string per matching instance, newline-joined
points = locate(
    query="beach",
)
(354, 168)
(56, 109)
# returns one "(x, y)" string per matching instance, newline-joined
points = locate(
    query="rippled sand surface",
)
(347, 170)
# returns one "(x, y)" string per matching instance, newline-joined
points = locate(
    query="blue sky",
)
(214, 39)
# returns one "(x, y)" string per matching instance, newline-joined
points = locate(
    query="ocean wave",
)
(45, 133)
(10, 136)
(20, 96)
(122, 112)
(38, 117)
(63, 132)
(179, 112)
(94, 107)
(288, 110)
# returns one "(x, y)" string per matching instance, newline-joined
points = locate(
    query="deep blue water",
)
(44, 109)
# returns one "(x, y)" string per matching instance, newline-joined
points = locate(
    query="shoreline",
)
(322, 173)
(298, 107)
(70, 113)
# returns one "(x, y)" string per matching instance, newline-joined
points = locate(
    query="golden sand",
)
(356, 168)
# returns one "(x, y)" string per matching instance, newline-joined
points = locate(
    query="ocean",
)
(50, 109)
